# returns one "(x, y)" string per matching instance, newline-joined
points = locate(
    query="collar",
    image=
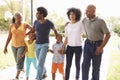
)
(93, 19)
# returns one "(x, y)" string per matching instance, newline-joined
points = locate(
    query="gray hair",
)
(91, 6)
(17, 15)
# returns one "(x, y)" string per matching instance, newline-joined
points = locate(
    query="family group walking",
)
(97, 36)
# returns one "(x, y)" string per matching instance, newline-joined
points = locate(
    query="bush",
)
(117, 30)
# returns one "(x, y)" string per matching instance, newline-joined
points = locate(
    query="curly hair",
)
(43, 11)
(76, 11)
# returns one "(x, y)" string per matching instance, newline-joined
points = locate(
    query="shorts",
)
(59, 66)
(17, 51)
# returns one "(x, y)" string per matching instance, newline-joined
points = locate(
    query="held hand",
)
(5, 51)
(49, 50)
(61, 51)
(98, 50)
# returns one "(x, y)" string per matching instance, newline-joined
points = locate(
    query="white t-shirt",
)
(74, 33)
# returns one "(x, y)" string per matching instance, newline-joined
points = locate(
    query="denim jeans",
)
(88, 56)
(69, 55)
(41, 52)
(17, 51)
(28, 63)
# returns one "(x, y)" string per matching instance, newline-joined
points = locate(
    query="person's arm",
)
(50, 50)
(7, 42)
(23, 54)
(64, 45)
(65, 42)
(30, 29)
(26, 49)
(55, 32)
(105, 40)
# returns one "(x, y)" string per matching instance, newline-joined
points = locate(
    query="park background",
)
(106, 9)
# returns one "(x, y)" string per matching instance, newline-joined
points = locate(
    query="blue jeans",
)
(88, 56)
(17, 51)
(69, 55)
(41, 52)
(28, 63)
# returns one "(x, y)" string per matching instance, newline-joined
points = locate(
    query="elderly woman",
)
(17, 33)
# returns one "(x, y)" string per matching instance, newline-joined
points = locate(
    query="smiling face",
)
(31, 37)
(59, 38)
(90, 11)
(72, 16)
(39, 15)
(18, 18)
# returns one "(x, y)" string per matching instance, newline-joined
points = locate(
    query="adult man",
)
(97, 37)
(42, 28)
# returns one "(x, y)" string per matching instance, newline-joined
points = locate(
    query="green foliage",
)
(117, 30)
(58, 20)
(61, 28)
(114, 23)
(3, 24)
(13, 6)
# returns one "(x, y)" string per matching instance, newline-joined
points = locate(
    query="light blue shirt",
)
(57, 57)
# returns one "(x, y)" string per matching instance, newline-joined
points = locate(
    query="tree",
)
(13, 6)
(114, 23)
(3, 23)
(59, 21)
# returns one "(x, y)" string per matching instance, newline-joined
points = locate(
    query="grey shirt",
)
(95, 28)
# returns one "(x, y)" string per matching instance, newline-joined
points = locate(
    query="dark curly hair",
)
(76, 11)
(43, 11)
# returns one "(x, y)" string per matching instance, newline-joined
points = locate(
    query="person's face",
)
(59, 38)
(31, 37)
(38, 15)
(90, 12)
(72, 16)
(18, 19)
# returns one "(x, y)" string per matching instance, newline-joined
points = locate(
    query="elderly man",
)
(97, 37)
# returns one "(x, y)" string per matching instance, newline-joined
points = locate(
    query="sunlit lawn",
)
(114, 65)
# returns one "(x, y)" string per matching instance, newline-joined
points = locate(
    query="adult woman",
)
(17, 33)
(73, 33)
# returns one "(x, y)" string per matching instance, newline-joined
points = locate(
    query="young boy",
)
(58, 57)
(30, 54)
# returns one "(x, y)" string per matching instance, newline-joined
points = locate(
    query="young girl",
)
(58, 57)
(30, 54)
